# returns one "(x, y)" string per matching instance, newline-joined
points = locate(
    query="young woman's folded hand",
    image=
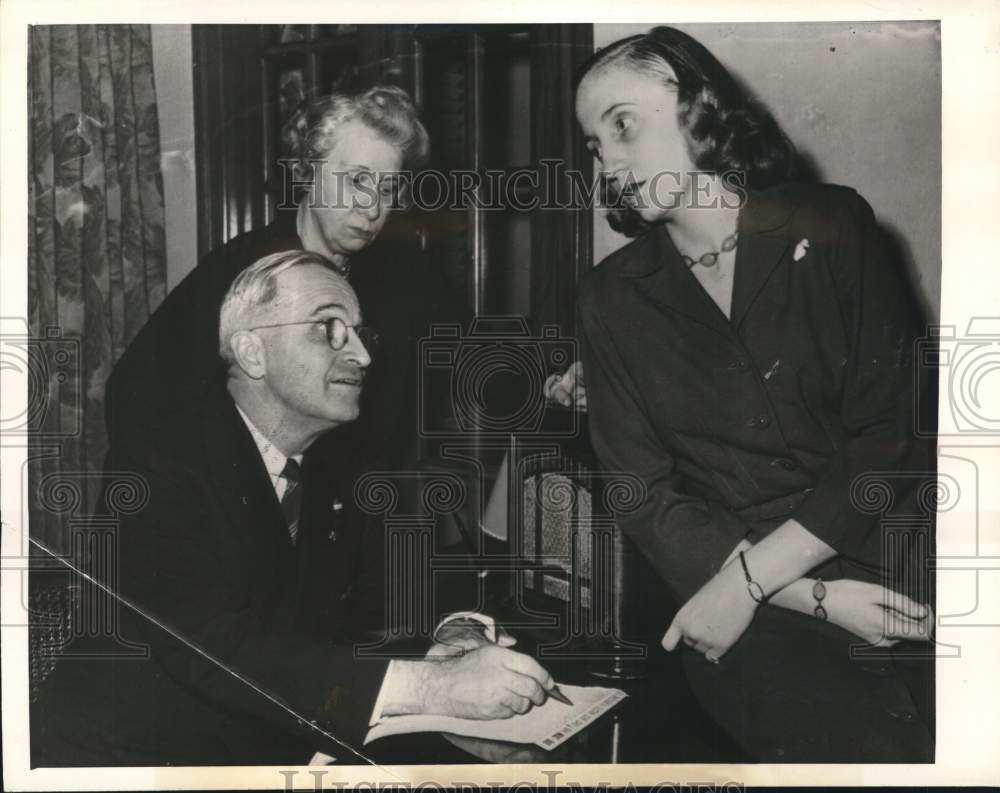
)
(715, 617)
(877, 614)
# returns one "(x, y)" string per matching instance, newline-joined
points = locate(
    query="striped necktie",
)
(291, 501)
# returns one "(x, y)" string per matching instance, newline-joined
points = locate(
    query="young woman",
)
(748, 356)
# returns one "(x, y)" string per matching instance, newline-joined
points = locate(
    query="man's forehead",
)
(313, 286)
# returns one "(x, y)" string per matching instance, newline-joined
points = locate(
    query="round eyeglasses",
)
(336, 332)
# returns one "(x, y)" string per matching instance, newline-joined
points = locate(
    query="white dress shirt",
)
(274, 459)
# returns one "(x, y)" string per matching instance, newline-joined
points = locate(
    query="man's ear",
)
(248, 350)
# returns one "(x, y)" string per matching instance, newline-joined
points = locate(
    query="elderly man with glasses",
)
(249, 576)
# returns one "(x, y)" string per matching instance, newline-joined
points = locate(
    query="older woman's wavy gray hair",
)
(386, 110)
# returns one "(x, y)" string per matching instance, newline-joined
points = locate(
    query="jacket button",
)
(785, 463)
(739, 365)
(902, 715)
(760, 422)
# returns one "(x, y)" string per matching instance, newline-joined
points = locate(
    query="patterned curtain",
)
(96, 250)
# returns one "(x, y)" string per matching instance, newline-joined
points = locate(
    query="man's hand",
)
(715, 617)
(491, 682)
(567, 389)
(876, 614)
(464, 635)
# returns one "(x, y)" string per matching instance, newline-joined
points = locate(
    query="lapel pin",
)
(337, 505)
(800, 249)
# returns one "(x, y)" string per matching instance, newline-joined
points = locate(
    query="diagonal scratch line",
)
(202, 652)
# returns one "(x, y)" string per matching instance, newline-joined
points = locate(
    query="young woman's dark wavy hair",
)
(727, 131)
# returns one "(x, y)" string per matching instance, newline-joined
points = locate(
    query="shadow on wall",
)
(808, 170)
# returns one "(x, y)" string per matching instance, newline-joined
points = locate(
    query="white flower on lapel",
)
(800, 249)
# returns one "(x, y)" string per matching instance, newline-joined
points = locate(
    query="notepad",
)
(547, 725)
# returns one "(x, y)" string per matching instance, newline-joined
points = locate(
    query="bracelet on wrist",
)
(756, 590)
(819, 592)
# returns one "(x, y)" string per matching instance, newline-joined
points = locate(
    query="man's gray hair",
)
(255, 288)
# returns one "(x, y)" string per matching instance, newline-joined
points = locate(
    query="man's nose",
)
(356, 351)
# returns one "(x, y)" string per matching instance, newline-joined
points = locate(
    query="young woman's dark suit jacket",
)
(734, 425)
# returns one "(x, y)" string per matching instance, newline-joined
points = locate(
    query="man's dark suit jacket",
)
(210, 556)
(736, 424)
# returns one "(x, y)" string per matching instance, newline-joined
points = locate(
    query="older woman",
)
(748, 356)
(346, 149)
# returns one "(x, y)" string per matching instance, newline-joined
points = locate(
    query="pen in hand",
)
(556, 693)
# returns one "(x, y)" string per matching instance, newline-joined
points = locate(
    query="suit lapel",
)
(318, 530)
(764, 241)
(243, 484)
(662, 277)
(757, 256)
